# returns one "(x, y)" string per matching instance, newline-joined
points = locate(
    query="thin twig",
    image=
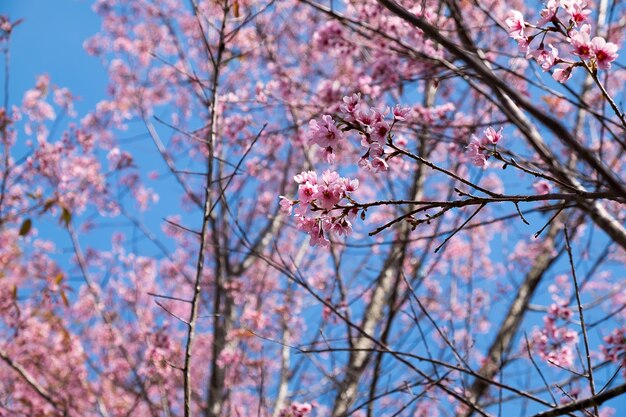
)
(582, 321)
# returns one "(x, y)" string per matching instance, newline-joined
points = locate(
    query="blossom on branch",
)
(322, 196)
(478, 148)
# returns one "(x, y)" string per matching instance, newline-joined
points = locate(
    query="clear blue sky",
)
(50, 40)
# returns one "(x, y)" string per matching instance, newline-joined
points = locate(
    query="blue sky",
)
(50, 40)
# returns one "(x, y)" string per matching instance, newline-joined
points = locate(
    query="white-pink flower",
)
(605, 52)
(296, 410)
(581, 41)
(549, 12)
(576, 9)
(544, 57)
(562, 74)
(542, 187)
(285, 205)
(379, 164)
(401, 113)
(325, 134)
(492, 136)
(327, 196)
(306, 176)
(307, 192)
(351, 104)
(475, 152)
(516, 24)
(380, 130)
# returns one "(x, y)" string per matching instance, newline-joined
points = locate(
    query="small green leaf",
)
(25, 227)
(66, 217)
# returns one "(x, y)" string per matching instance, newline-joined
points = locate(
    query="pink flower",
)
(364, 163)
(329, 155)
(364, 117)
(576, 10)
(285, 205)
(307, 192)
(516, 24)
(582, 43)
(475, 153)
(492, 136)
(351, 104)
(342, 227)
(307, 176)
(560, 311)
(545, 58)
(605, 52)
(119, 160)
(477, 147)
(312, 227)
(542, 187)
(475, 150)
(615, 346)
(380, 130)
(324, 193)
(350, 185)
(549, 12)
(555, 343)
(329, 36)
(523, 45)
(379, 164)
(325, 134)
(330, 177)
(296, 410)
(400, 113)
(562, 74)
(327, 196)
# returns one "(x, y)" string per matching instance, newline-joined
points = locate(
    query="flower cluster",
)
(614, 349)
(296, 410)
(596, 53)
(326, 135)
(479, 149)
(554, 343)
(322, 196)
(371, 124)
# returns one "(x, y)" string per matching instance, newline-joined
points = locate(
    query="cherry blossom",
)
(516, 24)
(272, 211)
(545, 58)
(581, 42)
(296, 410)
(615, 346)
(562, 74)
(555, 343)
(604, 52)
(479, 148)
(322, 196)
